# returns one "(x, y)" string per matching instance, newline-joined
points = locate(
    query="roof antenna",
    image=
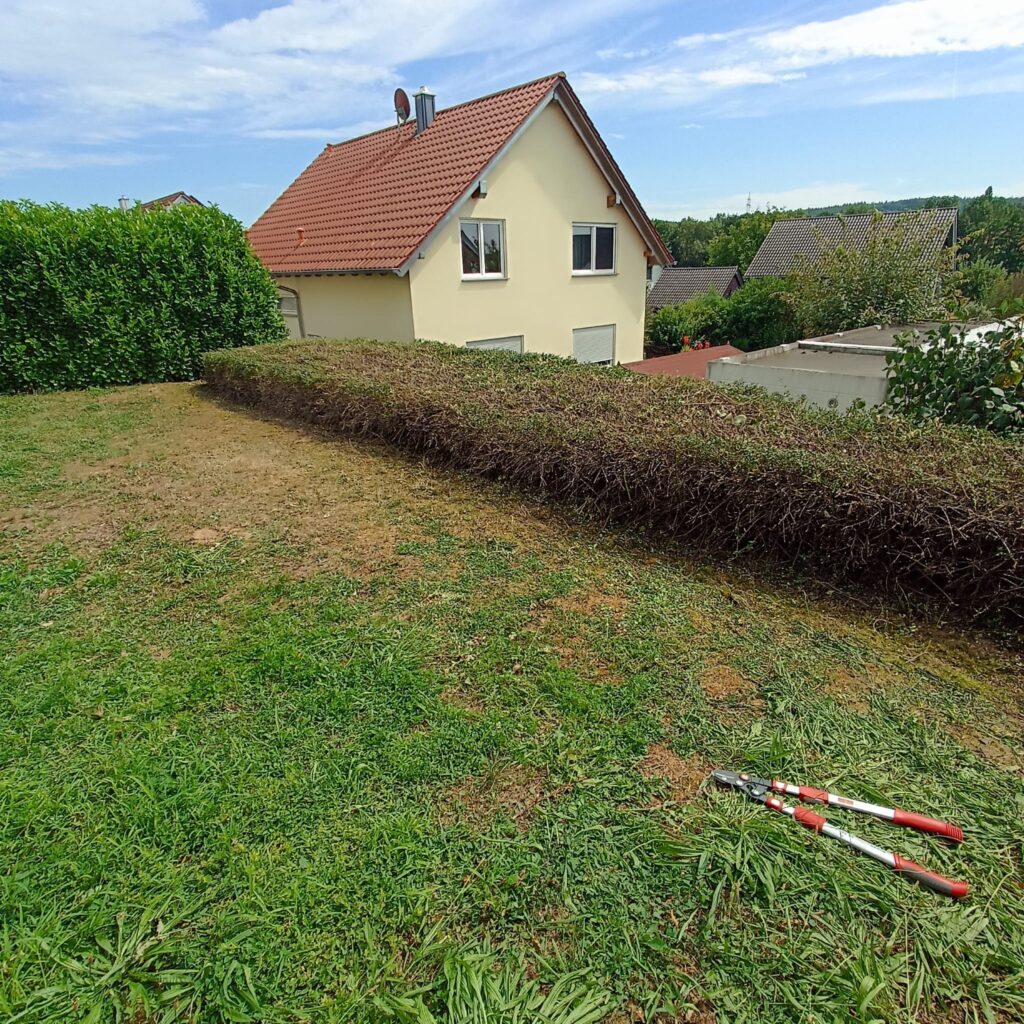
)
(748, 202)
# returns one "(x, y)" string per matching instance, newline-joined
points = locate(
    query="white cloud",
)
(908, 29)
(803, 197)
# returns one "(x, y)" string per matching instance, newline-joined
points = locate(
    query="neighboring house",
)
(788, 242)
(680, 284)
(174, 199)
(503, 222)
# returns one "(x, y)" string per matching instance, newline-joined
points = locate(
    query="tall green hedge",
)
(103, 296)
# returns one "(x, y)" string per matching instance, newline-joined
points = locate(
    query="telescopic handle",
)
(938, 883)
(925, 824)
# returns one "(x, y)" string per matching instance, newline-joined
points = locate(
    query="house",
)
(680, 284)
(789, 242)
(503, 222)
(831, 372)
(174, 199)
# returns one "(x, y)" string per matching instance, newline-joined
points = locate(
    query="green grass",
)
(231, 790)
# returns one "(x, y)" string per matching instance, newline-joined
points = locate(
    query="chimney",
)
(124, 202)
(424, 109)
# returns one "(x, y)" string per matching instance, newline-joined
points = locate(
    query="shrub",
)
(1007, 294)
(700, 319)
(895, 506)
(958, 379)
(760, 315)
(892, 279)
(976, 281)
(99, 296)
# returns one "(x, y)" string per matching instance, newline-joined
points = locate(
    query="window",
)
(593, 248)
(510, 344)
(594, 344)
(288, 305)
(483, 248)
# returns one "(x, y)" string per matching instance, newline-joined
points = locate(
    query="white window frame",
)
(484, 275)
(292, 300)
(593, 248)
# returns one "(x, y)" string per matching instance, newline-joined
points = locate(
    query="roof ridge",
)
(444, 110)
(880, 213)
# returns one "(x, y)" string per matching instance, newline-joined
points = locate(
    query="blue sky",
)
(796, 103)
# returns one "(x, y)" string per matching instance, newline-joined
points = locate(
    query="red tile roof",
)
(368, 204)
(683, 364)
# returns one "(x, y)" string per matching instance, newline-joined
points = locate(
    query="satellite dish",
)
(402, 108)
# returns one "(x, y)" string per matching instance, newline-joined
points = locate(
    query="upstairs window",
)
(593, 248)
(483, 248)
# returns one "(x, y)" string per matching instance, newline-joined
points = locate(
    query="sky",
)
(702, 103)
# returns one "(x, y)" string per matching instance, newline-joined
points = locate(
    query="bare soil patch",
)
(683, 774)
(518, 791)
(732, 695)
(851, 691)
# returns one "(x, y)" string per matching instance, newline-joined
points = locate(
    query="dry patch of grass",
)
(731, 695)
(684, 775)
(517, 791)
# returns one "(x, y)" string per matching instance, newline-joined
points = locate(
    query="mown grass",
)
(237, 786)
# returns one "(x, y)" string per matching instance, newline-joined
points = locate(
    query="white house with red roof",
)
(503, 222)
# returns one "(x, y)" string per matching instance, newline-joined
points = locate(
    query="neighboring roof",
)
(683, 364)
(174, 199)
(678, 284)
(371, 203)
(788, 240)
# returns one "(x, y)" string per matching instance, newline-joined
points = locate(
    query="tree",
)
(992, 228)
(893, 279)
(760, 315)
(736, 243)
(687, 240)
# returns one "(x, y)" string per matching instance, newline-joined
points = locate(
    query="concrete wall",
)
(544, 183)
(820, 387)
(352, 306)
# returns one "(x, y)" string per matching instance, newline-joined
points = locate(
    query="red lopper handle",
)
(808, 818)
(814, 796)
(926, 824)
(946, 886)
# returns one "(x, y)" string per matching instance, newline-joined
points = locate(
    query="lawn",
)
(300, 729)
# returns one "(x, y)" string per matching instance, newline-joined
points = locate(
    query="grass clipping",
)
(902, 508)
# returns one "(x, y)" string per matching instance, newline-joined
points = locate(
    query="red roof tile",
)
(369, 203)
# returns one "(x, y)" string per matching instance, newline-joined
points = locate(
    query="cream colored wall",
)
(353, 306)
(545, 182)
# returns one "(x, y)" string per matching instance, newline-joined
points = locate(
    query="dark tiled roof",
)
(173, 199)
(789, 240)
(678, 284)
(370, 203)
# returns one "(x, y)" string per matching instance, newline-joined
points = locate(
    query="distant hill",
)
(901, 205)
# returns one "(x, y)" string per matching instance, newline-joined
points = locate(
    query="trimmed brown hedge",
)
(901, 508)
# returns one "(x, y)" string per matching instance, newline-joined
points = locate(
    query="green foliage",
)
(1008, 293)
(702, 318)
(992, 228)
(96, 297)
(687, 240)
(760, 315)
(892, 279)
(976, 281)
(852, 497)
(950, 378)
(737, 244)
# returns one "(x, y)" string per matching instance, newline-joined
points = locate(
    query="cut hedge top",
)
(899, 506)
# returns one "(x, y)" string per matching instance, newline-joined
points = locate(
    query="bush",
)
(893, 279)
(702, 318)
(976, 281)
(1007, 294)
(99, 296)
(878, 500)
(958, 379)
(760, 315)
